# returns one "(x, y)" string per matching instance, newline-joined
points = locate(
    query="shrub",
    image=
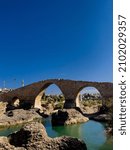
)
(59, 106)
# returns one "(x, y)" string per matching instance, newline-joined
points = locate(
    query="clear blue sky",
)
(70, 39)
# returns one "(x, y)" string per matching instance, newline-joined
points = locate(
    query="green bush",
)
(59, 106)
(90, 103)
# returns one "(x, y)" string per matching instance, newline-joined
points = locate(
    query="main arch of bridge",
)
(32, 93)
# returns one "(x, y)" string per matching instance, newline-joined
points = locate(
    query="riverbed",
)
(92, 132)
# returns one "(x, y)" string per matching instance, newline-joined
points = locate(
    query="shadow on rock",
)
(33, 136)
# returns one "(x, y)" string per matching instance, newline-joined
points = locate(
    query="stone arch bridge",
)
(32, 93)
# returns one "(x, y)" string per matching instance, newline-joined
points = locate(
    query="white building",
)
(5, 90)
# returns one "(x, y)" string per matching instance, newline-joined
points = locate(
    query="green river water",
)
(91, 132)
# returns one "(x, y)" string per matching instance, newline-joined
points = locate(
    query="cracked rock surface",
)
(33, 136)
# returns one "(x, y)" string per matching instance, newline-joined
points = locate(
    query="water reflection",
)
(91, 132)
(8, 130)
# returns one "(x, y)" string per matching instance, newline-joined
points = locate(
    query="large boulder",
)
(33, 136)
(18, 116)
(5, 145)
(68, 116)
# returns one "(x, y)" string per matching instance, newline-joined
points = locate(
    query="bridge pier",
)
(69, 103)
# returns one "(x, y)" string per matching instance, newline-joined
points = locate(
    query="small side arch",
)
(15, 102)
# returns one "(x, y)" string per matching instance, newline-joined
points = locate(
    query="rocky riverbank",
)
(2, 108)
(18, 116)
(67, 117)
(102, 117)
(33, 136)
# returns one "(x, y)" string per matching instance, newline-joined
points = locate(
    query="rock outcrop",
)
(102, 117)
(47, 110)
(18, 116)
(68, 116)
(2, 108)
(33, 136)
(5, 145)
(90, 110)
(109, 130)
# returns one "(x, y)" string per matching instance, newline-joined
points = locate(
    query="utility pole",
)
(22, 83)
